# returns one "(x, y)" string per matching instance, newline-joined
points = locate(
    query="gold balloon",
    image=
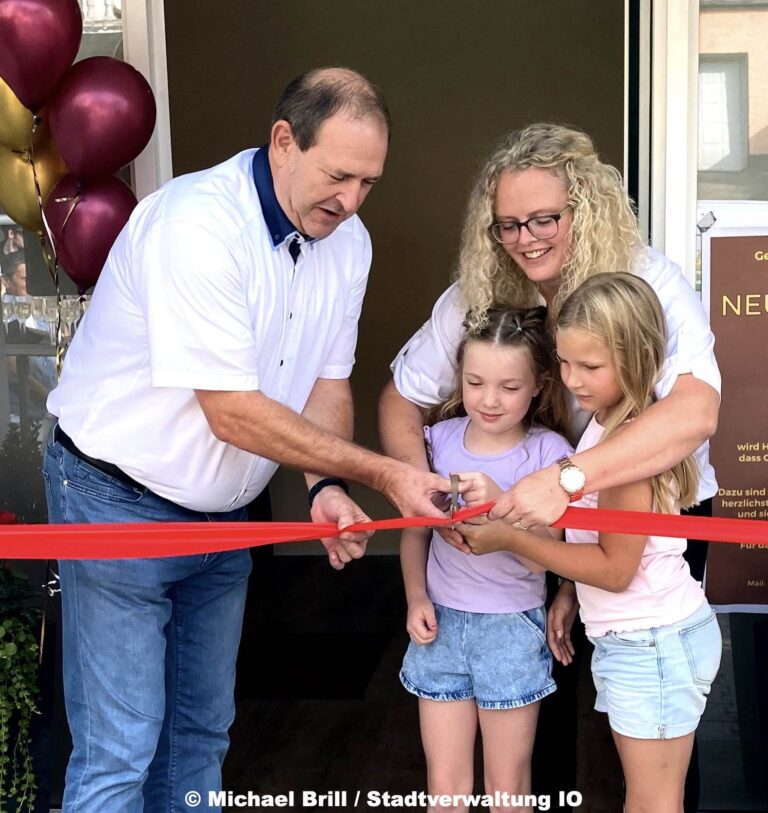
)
(16, 122)
(18, 195)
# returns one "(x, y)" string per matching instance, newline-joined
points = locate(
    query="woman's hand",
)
(421, 623)
(536, 500)
(560, 620)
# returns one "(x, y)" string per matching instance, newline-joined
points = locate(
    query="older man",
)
(218, 345)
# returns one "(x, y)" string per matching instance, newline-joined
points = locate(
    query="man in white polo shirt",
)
(218, 344)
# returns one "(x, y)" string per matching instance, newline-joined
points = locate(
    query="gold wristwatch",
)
(572, 479)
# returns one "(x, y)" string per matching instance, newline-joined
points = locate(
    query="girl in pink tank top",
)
(657, 641)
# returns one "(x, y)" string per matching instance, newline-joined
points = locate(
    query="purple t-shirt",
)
(496, 582)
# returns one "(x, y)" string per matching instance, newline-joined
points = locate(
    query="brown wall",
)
(456, 75)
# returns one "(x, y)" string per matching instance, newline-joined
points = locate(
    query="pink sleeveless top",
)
(662, 592)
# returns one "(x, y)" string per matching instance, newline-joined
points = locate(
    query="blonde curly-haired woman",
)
(545, 213)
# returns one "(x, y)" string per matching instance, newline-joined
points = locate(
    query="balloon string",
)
(81, 299)
(75, 200)
(51, 258)
(52, 264)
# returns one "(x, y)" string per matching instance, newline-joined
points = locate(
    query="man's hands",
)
(415, 493)
(421, 623)
(536, 500)
(332, 504)
(412, 491)
(560, 620)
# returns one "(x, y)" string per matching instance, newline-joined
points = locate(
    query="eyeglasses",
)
(542, 227)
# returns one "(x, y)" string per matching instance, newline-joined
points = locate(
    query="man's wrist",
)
(325, 483)
(387, 474)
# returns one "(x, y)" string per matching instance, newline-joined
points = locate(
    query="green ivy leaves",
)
(18, 691)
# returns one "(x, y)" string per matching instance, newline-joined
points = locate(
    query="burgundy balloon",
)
(102, 116)
(39, 40)
(83, 238)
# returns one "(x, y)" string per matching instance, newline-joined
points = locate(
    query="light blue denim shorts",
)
(501, 660)
(654, 683)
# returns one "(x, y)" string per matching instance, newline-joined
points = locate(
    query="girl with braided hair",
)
(478, 654)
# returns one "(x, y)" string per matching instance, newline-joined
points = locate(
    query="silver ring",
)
(519, 524)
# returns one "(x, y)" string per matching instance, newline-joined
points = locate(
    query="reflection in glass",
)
(733, 101)
(30, 380)
(102, 29)
(34, 319)
(24, 428)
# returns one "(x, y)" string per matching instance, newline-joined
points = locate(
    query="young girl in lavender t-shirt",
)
(478, 652)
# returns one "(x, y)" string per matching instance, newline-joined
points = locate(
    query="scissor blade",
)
(454, 494)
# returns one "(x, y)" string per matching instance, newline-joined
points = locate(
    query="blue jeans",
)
(499, 660)
(149, 652)
(653, 683)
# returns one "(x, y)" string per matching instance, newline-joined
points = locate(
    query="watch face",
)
(572, 479)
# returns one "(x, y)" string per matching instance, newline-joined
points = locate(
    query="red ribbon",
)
(148, 540)
(711, 529)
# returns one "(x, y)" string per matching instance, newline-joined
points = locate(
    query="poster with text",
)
(737, 575)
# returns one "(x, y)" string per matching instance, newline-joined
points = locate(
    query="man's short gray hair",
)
(310, 99)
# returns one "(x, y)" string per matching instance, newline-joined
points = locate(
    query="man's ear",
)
(281, 141)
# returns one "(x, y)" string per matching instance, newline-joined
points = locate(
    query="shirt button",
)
(290, 316)
(281, 362)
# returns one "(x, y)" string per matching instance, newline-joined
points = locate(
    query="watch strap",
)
(324, 483)
(566, 463)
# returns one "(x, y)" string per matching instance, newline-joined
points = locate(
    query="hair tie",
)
(519, 329)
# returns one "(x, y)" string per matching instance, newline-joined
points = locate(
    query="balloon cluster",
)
(64, 130)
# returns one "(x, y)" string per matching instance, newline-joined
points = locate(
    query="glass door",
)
(732, 220)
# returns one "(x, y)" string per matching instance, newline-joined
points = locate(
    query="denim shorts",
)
(654, 683)
(501, 660)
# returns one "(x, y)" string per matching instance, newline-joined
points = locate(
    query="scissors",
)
(454, 496)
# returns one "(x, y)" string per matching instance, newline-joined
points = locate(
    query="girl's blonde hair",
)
(604, 234)
(517, 327)
(623, 312)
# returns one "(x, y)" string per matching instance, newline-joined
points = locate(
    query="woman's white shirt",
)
(424, 369)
